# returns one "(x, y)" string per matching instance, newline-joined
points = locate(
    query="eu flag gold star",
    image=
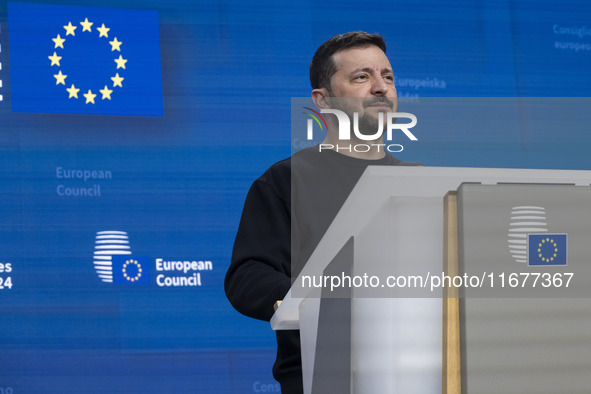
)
(89, 96)
(55, 59)
(59, 42)
(115, 45)
(86, 25)
(70, 29)
(106, 93)
(60, 78)
(121, 62)
(117, 80)
(73, 91)
(103, 31)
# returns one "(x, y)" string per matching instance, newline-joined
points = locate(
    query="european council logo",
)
(82, 60)
(131, 269)
(109, 244)
(525, 219)
(546, 249)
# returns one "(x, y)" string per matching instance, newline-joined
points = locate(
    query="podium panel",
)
(393, 344)
(392, 225)
(539, 339)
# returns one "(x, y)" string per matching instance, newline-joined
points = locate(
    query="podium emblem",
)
(524, 221)
(546, 249)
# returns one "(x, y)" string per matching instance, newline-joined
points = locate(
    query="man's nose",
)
(379, 87)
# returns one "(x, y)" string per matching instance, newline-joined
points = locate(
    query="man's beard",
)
(370, 124)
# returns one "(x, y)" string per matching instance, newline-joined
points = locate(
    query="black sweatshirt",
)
(261, 268)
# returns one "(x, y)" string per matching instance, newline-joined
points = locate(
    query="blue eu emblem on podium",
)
(546, 249)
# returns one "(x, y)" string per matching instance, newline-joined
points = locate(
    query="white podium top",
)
(380, 183)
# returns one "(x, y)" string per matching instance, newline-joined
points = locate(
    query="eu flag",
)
(83, 60)
(546, 249)
(131, 269)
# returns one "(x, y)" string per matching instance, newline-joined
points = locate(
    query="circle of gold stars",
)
(60, 78)
(139, 270)
(553, 255)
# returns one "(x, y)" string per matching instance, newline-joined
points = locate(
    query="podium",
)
(383, 339)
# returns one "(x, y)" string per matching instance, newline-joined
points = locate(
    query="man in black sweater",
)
(288, 209)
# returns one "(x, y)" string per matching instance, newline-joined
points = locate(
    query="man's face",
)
(365, 74)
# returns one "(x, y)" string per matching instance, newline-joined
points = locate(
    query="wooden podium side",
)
(451, 379)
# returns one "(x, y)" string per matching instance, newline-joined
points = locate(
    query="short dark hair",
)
(323, 67)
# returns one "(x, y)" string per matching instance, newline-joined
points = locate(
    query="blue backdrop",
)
(192, 103)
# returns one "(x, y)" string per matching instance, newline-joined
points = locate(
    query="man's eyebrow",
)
(385, 70)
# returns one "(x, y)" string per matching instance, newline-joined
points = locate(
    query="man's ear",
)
(321, 98)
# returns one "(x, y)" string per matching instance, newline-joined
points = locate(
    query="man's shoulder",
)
(278, 176)
(281, 170)
(276, 180)
(277, 172)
